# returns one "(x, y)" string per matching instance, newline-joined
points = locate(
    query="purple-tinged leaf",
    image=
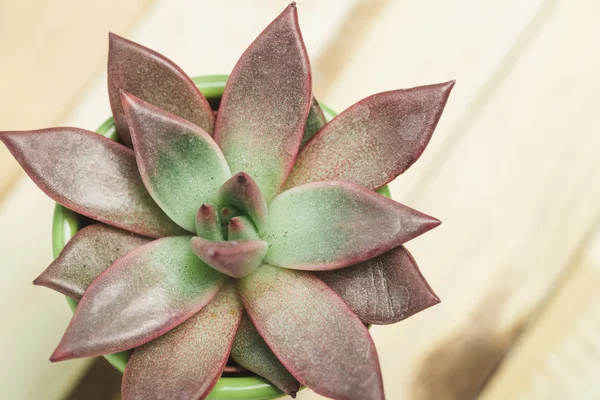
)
(155, 79)
(208, 222)
(233, 258)
(315, 121)
(91, 175)
(242, 228)
(251, 352)
(383, 290)
(375, 140)
(313, 333)
(186, 362)
(265, 105)
(91, 251)
(330, 225)
(242, 193)
(143, 295)
(181, 166)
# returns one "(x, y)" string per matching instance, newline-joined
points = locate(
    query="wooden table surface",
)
(512, 171)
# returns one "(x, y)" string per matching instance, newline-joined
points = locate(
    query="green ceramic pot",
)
(66, 223)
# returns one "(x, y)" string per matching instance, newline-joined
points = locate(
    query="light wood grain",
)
(559, 356)
(517, 194)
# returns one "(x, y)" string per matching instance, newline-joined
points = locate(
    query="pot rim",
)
(66, 223)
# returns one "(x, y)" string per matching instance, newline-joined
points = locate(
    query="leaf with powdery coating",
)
(375, 140)
(313, 333)
(315, 121)
(186, 362)
(155, 79)
(330, 225)
(242, 193)
(251, 352)
(383, 290)
(181, 166)
(242, 228)
(91, 251)
(265, 105)
(143, 295)
(91, 175)
(208, 222)
(233, 258)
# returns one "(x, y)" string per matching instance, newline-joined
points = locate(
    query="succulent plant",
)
(256, 233)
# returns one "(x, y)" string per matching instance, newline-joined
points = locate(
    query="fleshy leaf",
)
(375, 140)
(242, 193)
(186, 362)
(143, 295)
(330, 225)
(315, 121)
(208, 222)
(251, 352)
(242, 228)
(313, 333)
(91, 251)
(181, 166)
(383, 290)
(265, 105)
(91, 175)
(233, 258)
(155, 79)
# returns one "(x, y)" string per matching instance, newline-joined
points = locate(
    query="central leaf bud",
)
(229, 232)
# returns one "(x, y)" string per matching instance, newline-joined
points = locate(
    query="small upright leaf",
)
(186, 362)
(155, 79)
(383, 290)
(330, 225)
(313, 333)
(315, 121)
(251, 352)
(242, 228)
(143, 295)
(242, 193)
(91, 251)
(91, 175)
(236, 259)
(375, 140)
(265, 105)
(181, 166)
(208, 222)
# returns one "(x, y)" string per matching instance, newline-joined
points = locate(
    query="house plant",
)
(257, 233)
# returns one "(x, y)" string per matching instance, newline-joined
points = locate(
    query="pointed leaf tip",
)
(157, 80)
(330, 225)
(384, 134)
(141, 296)
(265, 105)
(91, 175)
(383, 290)
(181, 166)
(242, 193)
(233, 258)
(89, 253)
(208, 222)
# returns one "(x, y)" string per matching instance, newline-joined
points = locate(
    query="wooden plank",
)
(559, 357)
(516, 193)
(197, 36)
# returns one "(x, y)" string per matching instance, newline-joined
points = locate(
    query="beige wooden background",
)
(512, 171)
